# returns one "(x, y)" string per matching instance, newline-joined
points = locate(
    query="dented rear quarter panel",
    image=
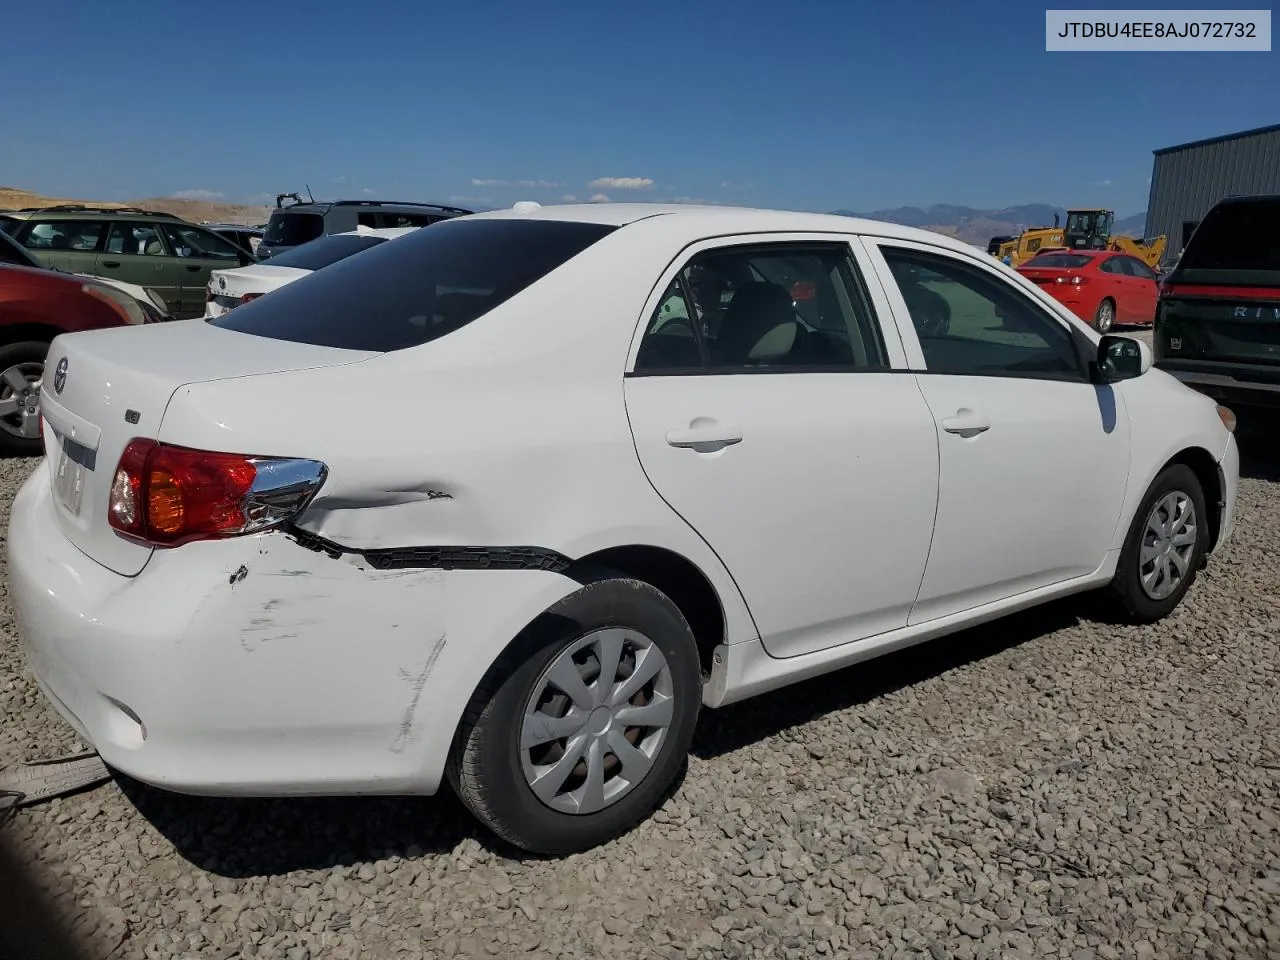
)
(511, 431)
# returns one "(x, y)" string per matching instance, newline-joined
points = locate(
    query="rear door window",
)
(420, 288)
(81, 235)
(291, 229)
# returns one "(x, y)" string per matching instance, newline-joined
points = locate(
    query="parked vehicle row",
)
(301, 221)
(237, 285)
(505, 502)
(155, 250)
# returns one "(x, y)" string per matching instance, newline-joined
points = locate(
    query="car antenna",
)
(309, 196)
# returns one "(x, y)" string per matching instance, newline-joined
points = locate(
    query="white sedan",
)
(506, 502)
(229, 288)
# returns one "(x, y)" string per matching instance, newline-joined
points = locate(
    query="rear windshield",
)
(1069, 261)
(290, 229)
(322, 252)
(1236, 242)
(9, 224)
(421, 287)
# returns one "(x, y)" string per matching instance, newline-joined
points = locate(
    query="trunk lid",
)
(228, 287)
(1045, 276)
(103, 388)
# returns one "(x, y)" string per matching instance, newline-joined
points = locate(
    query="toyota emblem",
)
(60, 376)
(222, 283)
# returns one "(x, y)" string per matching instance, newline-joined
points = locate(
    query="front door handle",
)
(111, 263)
(966, 424)
(194, 269)
(705, 436)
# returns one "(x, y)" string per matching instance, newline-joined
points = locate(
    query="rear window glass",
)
(418, 289)
(291, 229)
(322, 252)
(1066, 261)
(1237, 237)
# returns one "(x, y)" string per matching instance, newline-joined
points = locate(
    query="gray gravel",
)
(1047, 786)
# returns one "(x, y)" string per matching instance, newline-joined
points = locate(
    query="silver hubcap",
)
(1105, 314)
(1167, 545)
(20, 400)
(596, 720)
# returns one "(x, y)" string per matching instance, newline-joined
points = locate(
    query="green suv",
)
(155, 250)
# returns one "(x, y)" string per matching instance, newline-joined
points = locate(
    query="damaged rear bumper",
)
(256, 666)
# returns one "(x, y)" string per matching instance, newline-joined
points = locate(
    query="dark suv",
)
(296, 223)
(1217, 324)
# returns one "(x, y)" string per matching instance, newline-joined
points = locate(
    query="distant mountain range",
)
(978, 226)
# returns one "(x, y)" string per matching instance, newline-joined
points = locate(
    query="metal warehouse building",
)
(1190, 178)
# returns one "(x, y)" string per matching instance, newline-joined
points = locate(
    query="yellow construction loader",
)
(1086, 229)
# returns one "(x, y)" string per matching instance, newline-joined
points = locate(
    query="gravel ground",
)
(1048, 786)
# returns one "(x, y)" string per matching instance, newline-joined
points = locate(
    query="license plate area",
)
(73, 465)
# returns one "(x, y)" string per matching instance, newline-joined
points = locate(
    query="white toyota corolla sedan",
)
(505, 502)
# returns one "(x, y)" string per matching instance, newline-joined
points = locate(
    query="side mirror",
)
(1122, 358)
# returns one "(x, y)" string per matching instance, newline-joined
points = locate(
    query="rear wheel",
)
(21, 377)
(578, 731)
(1105, 317)
(1167, 539)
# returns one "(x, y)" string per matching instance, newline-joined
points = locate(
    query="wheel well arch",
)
(1203, 464)
(678, 577)
(28, 331)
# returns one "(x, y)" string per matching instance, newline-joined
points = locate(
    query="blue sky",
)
(810, 106)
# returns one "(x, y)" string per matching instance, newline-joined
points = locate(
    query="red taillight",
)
(1075, 281)
(249, 296)
(170, 495)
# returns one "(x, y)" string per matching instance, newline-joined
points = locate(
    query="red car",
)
(1099, 286)
(35, 306)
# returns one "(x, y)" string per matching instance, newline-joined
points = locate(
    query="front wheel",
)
(21, 377)
(1162, 552)
(581, 727)
(1105, 317)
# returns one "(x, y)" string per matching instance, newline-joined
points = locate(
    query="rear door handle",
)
(111, 263)
(966, 424)
(194, 269)
(704, 437)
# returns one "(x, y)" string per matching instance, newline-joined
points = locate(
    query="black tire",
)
(485, 768)
(12, 355)
(1126, 586)
(1100, 323)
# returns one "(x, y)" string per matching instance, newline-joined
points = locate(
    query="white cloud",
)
(599, 198)
(369, 190)
(491, 182)
(730, 185)
(568, 198)
(1101, 183)
(197, 194)
(339, 179)
(621, 183)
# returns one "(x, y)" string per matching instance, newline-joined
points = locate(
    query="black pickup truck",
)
(1217, 325)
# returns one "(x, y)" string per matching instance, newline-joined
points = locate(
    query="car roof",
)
(313, 206)
(81, 212)
(709, 220)
(232, 226)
